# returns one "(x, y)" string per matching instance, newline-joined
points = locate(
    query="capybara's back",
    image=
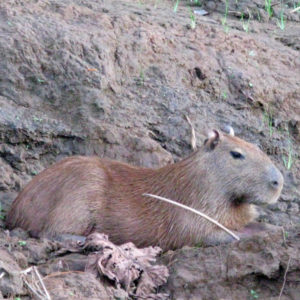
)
(61, 199)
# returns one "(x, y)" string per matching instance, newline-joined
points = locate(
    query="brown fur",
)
(83, 194)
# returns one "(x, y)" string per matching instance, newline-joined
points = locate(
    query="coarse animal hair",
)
(225, 178)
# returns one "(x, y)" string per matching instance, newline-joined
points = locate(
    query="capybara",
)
(225, 178)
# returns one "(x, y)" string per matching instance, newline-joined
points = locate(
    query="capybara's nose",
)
(275, 178)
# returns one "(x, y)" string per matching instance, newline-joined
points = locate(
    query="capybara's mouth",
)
(257, 201)
(239, 200)
(261, 201)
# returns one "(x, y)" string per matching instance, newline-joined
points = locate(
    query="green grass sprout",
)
(193, 19)
(268, 119)
(22, 243)
(268, 7)
(2, 217)
(281, 22)
(253, 294)
(176, 6)
(288, 159)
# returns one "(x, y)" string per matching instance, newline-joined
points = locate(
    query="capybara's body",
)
(79, 195)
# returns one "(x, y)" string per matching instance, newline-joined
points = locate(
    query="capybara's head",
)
(240, 171)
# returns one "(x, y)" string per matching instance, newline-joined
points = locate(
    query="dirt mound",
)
(116, 79)
(249, 269)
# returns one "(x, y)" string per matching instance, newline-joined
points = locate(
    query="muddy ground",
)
(116, 79)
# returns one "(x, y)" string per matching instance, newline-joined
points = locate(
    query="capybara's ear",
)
(213, 138)
(228, 129)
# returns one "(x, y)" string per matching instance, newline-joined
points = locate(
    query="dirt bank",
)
(116, 78)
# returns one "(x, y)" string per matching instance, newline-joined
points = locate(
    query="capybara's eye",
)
(237, 155)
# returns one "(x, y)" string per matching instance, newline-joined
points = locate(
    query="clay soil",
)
(116, 79)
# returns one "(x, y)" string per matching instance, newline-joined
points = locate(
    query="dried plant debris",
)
(127, 266)
(35, 284)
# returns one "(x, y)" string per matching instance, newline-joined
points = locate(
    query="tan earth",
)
(116, 79)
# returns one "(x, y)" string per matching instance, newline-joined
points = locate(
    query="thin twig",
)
(295, 9)
(26, 271)
(284, 278)
(193, 134)
(137, 296)
(194, 211)
(61, 273)
(33, 286)
(284, 238)
(32, 289)
(277, 3)
(42, 282)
